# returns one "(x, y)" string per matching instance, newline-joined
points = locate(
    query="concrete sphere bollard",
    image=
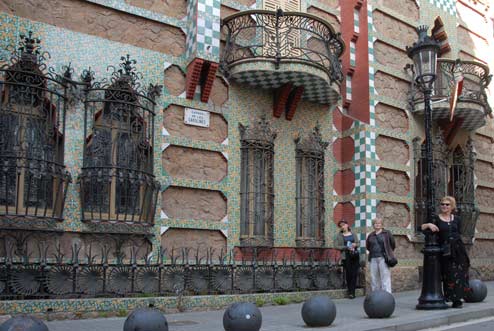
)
(146, 319)
(478, 291)
(319, 311)
(242, 316)
(379, 304)
(23, 323)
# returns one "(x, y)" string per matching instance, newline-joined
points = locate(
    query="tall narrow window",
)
(310, 189)
(117, 182)
(33, 179)
(256, 184)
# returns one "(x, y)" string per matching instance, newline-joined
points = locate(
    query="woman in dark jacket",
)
(380, 243)
(454, 260)
(347, 243)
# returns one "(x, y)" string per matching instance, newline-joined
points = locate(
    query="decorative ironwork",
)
(310, 189)
(117, 182)
(256, 184)
(33, 102)
(27, 273)
(476, 78)
(453, 174)
(282, 37)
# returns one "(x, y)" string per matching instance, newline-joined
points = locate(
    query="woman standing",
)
(380, 244)
(347, 243)
(454, 260)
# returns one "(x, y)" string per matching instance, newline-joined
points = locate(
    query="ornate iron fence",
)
(22, 277)
(280, 36)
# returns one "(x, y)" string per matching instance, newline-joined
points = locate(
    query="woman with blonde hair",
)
(454, 259)
(381, 244)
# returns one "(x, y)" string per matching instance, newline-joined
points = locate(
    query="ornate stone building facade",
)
(240, 133)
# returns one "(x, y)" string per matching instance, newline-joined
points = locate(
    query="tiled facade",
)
(245, 105)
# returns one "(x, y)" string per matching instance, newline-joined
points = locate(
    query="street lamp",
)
(424, 55)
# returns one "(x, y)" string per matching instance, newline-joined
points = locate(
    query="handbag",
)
(390, 261)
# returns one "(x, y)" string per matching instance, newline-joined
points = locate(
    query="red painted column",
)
(358, 106)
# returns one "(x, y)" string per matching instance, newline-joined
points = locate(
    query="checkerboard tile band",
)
(190, 42)
(472, 118)
(352, 53)
(449, 6)
(316, 89)
(356, 20)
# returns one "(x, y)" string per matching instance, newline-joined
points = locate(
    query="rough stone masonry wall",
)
(394, 23)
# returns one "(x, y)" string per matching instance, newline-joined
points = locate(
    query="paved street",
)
(350, 316)
(483, 324)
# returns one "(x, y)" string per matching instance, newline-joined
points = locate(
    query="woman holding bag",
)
(454, 260)
(381, 244)
(347, 243)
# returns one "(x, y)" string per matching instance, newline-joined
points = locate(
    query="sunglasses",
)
(444, 204)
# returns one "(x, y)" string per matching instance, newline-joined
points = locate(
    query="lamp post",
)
(424, 55)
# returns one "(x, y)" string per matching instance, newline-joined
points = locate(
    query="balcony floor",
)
(263, 74)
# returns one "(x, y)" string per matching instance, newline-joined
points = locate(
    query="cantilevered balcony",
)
(269, 50)
(472, 106)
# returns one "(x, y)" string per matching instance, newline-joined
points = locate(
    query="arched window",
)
(453, 174)
(310, 189)
(117, 182)
(256, 184)
(33, 179)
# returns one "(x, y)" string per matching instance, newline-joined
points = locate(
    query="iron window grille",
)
(453, 172)
(310, 189)
(117, 181)
(256, 184)
(33, 178)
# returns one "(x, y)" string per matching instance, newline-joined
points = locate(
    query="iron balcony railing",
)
(33, 102)
(116, 180)
(282, 37)
(476, 78)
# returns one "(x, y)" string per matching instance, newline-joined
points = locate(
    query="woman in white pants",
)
(380, 244)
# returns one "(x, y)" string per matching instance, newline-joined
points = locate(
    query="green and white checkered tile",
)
(365, 211)
(316, 88)
(449, 6)
(190, 42)
(360, 175)
(356, 20)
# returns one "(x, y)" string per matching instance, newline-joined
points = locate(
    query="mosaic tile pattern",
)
(203, 30)
(449, 6)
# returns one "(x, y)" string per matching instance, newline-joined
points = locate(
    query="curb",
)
(438, 321)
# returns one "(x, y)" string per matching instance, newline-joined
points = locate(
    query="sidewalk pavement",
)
(350, 317)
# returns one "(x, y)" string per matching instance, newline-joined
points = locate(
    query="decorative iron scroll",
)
(281, 36)
(87, 274)
(476, 78)
(117, 181)
(33, 178)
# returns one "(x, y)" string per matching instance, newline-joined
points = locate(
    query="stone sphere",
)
(318, 311)
(23, 323)
(379, 304)
(146, 319)
(478, 291)
(242, 316)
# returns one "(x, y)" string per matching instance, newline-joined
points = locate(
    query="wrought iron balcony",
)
(116, 180)
(269, 49)
(472, 105)
(33, 179)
